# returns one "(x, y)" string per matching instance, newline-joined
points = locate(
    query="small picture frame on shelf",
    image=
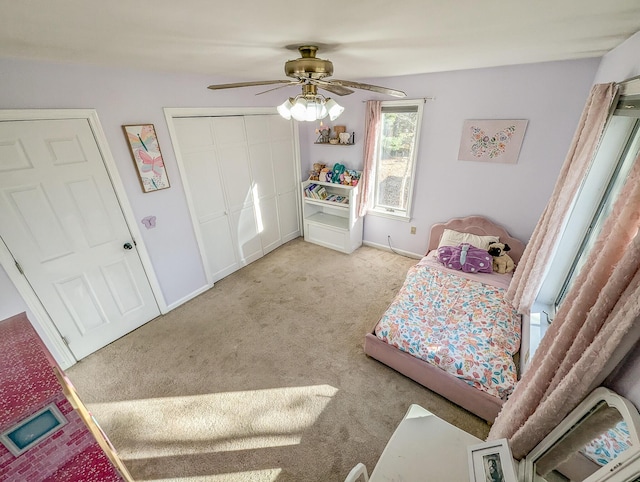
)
(491, 462)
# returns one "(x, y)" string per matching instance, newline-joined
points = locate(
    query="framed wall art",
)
(33, 429)
(491, 462)
(144, 147)
(492, 140)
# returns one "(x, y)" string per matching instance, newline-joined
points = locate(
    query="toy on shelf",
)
(314, 174)
(336, 136)
(338, 174)
(326, 175)
(323, 134)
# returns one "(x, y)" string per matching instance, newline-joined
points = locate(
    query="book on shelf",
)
(339, 199)
(310, 190)
(315, 191)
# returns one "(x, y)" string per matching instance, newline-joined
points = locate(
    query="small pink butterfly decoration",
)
(494, 145)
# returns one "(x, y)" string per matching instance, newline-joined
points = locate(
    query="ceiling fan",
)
(308, 69)
(311, 74)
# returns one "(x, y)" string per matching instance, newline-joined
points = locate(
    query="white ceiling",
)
(247, 40)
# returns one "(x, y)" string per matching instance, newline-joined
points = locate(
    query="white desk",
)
(425, 448)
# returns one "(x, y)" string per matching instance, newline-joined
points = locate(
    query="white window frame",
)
(403, 215)
(615, 138)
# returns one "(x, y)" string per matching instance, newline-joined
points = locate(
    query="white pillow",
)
(454, 238)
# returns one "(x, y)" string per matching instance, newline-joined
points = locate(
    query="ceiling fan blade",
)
(247, 84)
(333, 88)
(372, 88)
(293, 82)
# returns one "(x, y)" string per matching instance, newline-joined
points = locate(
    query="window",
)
(614, 186)
(395, 162)
(618, 149)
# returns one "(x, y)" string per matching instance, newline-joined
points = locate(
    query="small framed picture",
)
(145, 150)
(491, 462)
(33, 429)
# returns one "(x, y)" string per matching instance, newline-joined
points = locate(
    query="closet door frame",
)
(171, 113)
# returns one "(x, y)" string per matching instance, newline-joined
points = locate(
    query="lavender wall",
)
(123, 96)
(550, 95)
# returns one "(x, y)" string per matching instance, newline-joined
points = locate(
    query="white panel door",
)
(287, 184)
(264, 185)
(231, 145)
(61, 220)
(203, 177)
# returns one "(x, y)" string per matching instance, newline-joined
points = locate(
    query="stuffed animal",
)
(314, 175)
(338, 169)
(502, 262)
(325, 175)
(465, 257)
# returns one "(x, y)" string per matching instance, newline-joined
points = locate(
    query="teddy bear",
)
(314, 174)
(502, 262)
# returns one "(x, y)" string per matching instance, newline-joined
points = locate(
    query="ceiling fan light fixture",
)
(312, 111)
(311, 73)
(321, 110)
(284, 109)
(299, 109)
(309, 107)
(333, 109)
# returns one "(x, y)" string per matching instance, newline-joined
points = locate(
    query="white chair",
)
(356, 472)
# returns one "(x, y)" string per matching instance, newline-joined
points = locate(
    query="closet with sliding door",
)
(240, 176)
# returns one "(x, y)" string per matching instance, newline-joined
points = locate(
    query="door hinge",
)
(64, 339)
(19, 268)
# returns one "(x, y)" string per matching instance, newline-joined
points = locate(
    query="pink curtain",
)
(372, 119)
(528, 278)
(599, 310)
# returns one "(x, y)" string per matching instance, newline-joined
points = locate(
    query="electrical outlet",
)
(413, 230)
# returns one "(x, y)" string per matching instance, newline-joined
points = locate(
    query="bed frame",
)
(459, 392)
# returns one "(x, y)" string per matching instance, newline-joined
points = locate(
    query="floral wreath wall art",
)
(147, 157)
(492, 140)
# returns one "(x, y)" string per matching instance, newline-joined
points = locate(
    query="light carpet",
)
(263, 377)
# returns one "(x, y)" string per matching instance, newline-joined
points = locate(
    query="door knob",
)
(127, 246)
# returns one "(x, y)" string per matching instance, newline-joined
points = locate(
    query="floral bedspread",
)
(609, 445)
(458, 324)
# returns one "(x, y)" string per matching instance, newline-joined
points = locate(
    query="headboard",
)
(480, 226)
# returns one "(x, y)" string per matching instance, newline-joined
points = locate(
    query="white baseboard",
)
(189, 297)
(398, 251)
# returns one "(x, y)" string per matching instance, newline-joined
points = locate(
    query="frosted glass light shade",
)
(321, 110)
(299, 109)
(334, 109)
(310, 108)
(284, 109)
(310, 114)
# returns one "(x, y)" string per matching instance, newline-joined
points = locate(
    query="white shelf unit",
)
(331, 224)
